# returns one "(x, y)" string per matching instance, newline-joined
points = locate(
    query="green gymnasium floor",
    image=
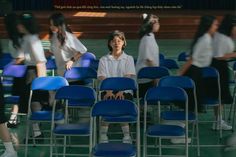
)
(170, 48)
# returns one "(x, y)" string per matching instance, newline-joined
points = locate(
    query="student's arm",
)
(228, 56)
(72, 60)
(41, 69)
(186, 67)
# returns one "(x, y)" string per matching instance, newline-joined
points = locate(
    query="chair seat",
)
(45, 116)
(80, 103)
(177, 115)
(11, 99)
(114, 150)
(165, 130)
(72, 129)
(120, 119)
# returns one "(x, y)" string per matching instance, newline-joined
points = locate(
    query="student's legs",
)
(103, 132)
(126, 133)
(5, 136)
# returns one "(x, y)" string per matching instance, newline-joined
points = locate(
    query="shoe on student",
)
(12, 124)
(127, 139)
(103, 138)
(9, 154)
(180, 140)
(224, 126)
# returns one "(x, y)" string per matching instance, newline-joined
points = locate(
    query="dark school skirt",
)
(195, 73)
(3, 118)
(222, 67)
(143, 87)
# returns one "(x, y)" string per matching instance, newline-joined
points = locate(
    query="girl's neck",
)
(116, 54)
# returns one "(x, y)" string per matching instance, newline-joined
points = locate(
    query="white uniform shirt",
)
(15, 53)
(111, 67)
(33, 50)
(222, 45)
(203, 51)
(64, 53)
(148, 49)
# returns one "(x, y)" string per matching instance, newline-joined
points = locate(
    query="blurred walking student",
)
(148, 52)
(35, 60)
(201, 54)
(223, 46)
(65, 46)
(11, 21)
(116, 64)
(4, 132)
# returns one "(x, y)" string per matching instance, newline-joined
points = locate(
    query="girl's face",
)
(21, 29)
(233, 33)
(53, 28)
(156, 25)
(116, 44)
(213, 27)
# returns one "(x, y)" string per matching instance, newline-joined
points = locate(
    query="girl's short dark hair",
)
(29, 22)
(114, 34)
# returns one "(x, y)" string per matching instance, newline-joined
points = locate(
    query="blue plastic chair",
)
(12, 71)
(94, 64)
(153, 72)
(85, 97)
(115, 108)
(163, 96)
(179, 115)
(210, 72)
(86, 59)
(119, 84)
(169, 63)
(161, 56)
(49, 83)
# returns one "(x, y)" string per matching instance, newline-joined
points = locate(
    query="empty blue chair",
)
(153, 72)
(169, 63)
(116, 108)
(84, 97)
(49, 83)
(188, 84)
(209, 101)
(163, 96)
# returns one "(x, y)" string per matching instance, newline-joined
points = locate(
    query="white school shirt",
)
(203, 51)
(33, 50)
(222, 45)
(111, 67)
(148, 49)
(15, 52)
(64, 53)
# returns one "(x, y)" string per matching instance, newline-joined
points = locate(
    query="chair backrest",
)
(86, 59)
(51, 64)
(177, 81)
(210, 72)
(14, 71)
(166, 95)
(114, 108)
(76, 92)
(169, 63)
(80, 73)
(49, 83)
(94, 64)
(118, 84)
(153, 72)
